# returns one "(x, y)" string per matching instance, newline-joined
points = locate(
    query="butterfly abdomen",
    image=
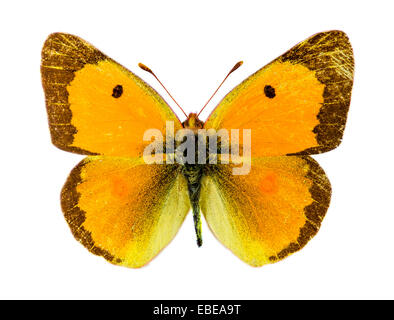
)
(193, 175)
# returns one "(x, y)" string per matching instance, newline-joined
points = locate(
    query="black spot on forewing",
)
(117, 91)
(269, 91)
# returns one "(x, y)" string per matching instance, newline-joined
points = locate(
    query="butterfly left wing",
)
(298, 103)
(123, 209)
(95, 105)
(270, 213)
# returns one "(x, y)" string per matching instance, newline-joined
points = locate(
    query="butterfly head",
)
(192, 122)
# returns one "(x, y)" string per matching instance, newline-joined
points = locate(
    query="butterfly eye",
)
(269, 92)
(117, 91)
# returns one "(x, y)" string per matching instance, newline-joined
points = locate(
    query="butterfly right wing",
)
(270, 213)
(123, 209)
(298, 103)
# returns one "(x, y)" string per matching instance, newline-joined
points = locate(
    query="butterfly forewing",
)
(96, 106)
(298, 103)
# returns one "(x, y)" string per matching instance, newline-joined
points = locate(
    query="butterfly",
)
(126, 210)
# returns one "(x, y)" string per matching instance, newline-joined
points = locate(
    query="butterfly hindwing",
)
(298, 103)
(123, 209)
(96, 106)
(270, 213)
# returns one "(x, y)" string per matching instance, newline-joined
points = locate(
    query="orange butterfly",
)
(127, 211)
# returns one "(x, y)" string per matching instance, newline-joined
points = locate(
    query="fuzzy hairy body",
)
(193, 172)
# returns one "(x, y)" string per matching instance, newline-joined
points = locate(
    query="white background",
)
(191, 46)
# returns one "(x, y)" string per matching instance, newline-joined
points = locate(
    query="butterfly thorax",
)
(192, 168)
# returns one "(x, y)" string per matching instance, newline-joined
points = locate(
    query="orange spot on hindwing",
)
(269, 183)
(120, 187)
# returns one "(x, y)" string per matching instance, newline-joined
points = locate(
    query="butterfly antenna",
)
(236, 66)
(145, 68)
